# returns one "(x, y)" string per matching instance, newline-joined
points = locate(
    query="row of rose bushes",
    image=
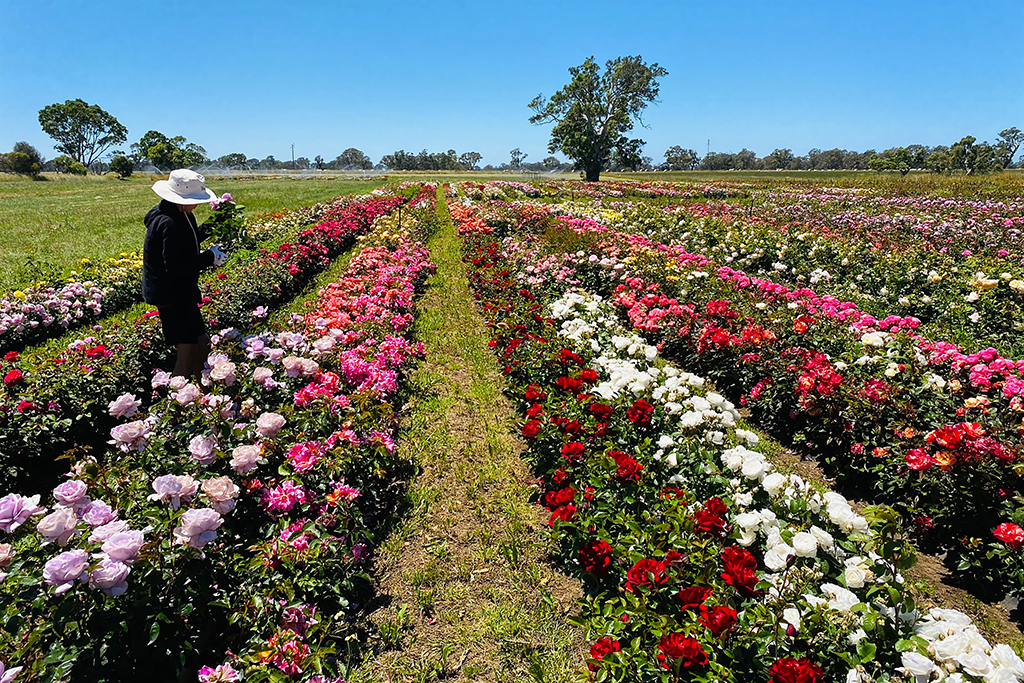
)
(904, 421)
(52, 403)
(973, 298)
(701, 561)
(224, 532)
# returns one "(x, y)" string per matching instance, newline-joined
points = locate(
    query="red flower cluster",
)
(531, 429)
(628, 468)
(601, 411)
(676, 647)
(739, 570)
(604, 646)
(556, 499)
(640, 413)
(718, 619)
(596, 557)
(13, 377)
(711, 518)
(789, 670)
(574, 450)
(647, 574)
(694, 596)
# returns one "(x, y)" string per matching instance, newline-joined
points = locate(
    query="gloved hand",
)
(219, 255)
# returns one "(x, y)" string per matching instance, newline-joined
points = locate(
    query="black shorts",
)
(182, 324)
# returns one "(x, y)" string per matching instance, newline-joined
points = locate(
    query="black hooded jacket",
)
(171, 257)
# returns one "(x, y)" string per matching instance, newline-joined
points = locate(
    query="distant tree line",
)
(964, 156)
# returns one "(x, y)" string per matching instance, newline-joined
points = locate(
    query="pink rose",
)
(187, 394)
(6, 555)
(221, 492)
(269, 424)
(59, 525)
(124, 405)
(223, 371)
(198, 527)
(202, 449)
(174, 489)
(243, 458)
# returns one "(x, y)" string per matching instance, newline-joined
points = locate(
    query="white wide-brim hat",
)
(184, 187)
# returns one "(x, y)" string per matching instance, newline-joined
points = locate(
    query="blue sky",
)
(256, 76)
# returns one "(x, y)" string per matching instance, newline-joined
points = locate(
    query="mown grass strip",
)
(467, 591)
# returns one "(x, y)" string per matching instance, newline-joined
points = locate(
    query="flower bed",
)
(49, 404)
(700, 560)
(230, 521)
(889, 411)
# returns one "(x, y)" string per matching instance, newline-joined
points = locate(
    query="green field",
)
(46, 227)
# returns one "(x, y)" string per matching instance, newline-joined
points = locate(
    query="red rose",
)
(560, 476)
(570, 427)
(739, 570)
(564, 514)
(596, 557)
(589, 376)
(531, 429)
(567, 356)
(11, 356)
(556, 499)
(676, 647)
(628, 469)
(602, 647)
(601, 411)
(533, 393)
(918, 459)
(1010, 534)
(709, 523)
(716, 507)
(536, 410)
(13, 377)
(647, 573)
(674, 557)
(791, 670)
(718, 619)
(694, 596)
(573, 450)
(640, 413)
(570, 384)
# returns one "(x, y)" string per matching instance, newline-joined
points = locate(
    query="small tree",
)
(895, 159)
(65, 164)
(82, 130)
(352, 158)
(1007, 144)
(679, 159)
(470, 159)
(35, 162)
(516, 158)
(594, 111)
(122, 166)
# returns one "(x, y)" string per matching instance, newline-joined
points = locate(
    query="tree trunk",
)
(593, 172)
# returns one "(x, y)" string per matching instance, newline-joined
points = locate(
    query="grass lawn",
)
(47, 227)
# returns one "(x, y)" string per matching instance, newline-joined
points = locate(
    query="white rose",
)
(1005, 657)
(774, 483)
(804, 544)
(976, 663)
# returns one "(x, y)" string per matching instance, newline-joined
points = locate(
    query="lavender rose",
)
(198, 527)
(6, 555)
(15, 511)
(101, 533)
(71, 493)
(63, 570)
(174, 488)
(109, 576)
(131, 436)
(124, 546)
(187, 394)
(98, 513)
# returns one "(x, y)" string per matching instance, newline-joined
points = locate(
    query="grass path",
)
(466, 591)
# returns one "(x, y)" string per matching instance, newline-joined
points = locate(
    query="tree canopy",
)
(83, 131)
(593, 113)
(168, 153)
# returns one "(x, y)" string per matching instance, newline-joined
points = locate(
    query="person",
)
(171, 262)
